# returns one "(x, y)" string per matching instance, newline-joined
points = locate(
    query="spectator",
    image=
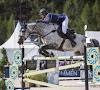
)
(41, 62)
(68, 62)
(42, 66)
(65, 63)
(60, 64)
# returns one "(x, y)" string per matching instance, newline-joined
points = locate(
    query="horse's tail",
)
(95, 43)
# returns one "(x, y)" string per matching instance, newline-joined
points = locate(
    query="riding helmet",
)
(43, 11)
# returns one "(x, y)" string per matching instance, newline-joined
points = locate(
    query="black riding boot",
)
(68, 35)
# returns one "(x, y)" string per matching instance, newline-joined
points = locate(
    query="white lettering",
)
(70, 73)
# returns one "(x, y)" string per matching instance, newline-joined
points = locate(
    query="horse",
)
(51, 39)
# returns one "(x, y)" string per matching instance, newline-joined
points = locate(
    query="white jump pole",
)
(56, 58)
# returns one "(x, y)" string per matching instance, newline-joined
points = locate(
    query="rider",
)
(60, 19)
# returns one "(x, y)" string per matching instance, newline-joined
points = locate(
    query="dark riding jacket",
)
(54, 18)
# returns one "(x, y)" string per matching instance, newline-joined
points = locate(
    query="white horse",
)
(52, 40)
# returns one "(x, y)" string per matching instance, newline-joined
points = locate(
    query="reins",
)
(50, 32)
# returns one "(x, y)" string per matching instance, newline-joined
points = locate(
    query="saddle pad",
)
(60, 33)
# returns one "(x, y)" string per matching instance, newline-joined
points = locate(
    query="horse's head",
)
(23, 33)
(29, 28)
(26, 30)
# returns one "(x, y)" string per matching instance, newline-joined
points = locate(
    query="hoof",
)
(51, 55)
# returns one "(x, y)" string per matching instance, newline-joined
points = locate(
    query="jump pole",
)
(48, 84)
(56, 58)
(53, 69)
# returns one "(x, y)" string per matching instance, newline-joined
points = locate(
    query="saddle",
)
(71, 30)
(62, 35)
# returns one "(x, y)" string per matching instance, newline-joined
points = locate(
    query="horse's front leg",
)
(43, 51)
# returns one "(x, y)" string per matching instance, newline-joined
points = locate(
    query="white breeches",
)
(65, 25)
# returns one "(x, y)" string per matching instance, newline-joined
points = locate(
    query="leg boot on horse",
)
(68, 35)
(43, 50)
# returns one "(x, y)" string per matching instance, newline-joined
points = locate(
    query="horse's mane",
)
(33, 23)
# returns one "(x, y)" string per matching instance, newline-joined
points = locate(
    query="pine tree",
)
(68, 10)
(4, 59)
(86, 16)
(79, 26)
(3, 62)
(4, 30)
(79, 13)
(0, 31)
(96, 15)
(10, 28)
(74, 9)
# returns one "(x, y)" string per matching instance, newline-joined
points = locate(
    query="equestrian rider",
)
(60, 19)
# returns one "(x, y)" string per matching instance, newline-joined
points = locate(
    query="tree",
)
(86, 16)
(73, 9)
(80, 26)
(79, 12)
(2, 85)
(69, 11)
(3, 62)
(0, 31)
(10, 28)
(96, 15)
(4, 30)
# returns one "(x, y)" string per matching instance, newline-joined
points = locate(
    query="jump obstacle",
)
(55, 69)
(56, 58)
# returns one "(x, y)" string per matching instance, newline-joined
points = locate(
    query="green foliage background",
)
(3, 62)
(80, 13)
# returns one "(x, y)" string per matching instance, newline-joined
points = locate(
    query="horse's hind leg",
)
(43, 51)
